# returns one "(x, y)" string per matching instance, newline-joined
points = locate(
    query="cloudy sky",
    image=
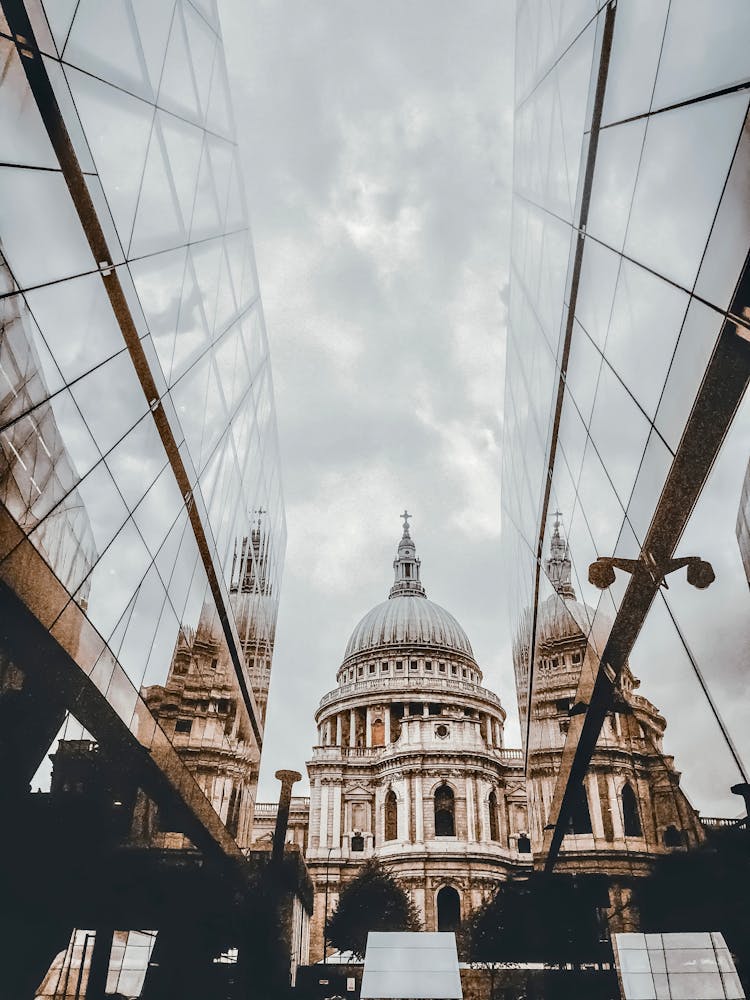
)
(377, 147)
(377, 141)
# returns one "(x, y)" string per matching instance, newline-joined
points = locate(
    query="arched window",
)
(444, 812)
(378, 733)
(524, 844)
(448, 909)
(494, 826)
(631, 819)
(391, 816)
(580, 818)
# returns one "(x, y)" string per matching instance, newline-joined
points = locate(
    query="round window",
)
(441, 731)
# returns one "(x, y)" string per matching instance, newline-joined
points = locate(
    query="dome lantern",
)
(406, 566)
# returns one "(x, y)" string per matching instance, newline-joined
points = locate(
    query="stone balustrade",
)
(409, 686)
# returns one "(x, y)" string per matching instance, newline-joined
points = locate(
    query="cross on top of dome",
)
(406, 565)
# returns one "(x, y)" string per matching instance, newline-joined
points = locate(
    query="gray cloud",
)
(376, 142)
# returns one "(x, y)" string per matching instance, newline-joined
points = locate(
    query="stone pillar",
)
(328, 732)
(387, 724)
(595, 805)
(418, 808)
(339, 729)
(405, 832)
(614, 806)
(488, 728)
(368, 726)
(482, 793)
(498, 737)
(314, 801)
(352, 727)
(471, 827)
(324, 815)
(504, 824)
(336, 823)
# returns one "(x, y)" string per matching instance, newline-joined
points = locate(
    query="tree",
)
(373, 901)
(544, 918)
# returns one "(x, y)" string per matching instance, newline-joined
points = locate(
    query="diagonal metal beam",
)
(721, 391)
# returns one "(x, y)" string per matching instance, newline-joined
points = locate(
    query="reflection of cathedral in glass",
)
(630, 805)
(199, 707)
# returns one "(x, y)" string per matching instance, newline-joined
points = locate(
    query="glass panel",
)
(686, 157)
(596, 289)
(117, 127)
(183, 143)
(158, 281)
(158, 222)
(702, 52)
(111, 400)
(619, 430)
(636, 47)
(153, 22)
(115, 578)
(78, 324)
(137, 461)
(617, 159)
(730, 236)
(37, 202)
(645, 325)
(695, 346)
(23, 137)
(104, 40)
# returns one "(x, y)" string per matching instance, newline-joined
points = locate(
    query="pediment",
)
(358, 792)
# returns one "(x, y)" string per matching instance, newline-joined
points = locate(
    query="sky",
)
(377, 144)
(377, 147)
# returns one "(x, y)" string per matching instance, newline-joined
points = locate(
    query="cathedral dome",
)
(565, 618)
(408, 619)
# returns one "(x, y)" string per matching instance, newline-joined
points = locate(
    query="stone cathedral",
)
(410, 763)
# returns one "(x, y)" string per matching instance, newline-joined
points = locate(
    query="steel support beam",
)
(721, 391)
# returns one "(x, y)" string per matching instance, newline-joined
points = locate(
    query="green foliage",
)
(553, 919)
(373, 901)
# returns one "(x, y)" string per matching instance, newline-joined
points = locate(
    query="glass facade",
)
(142, 520)
(627, 357)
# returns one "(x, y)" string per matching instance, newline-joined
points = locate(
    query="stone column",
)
(336, 824)
(614, 806)
(595, 805)
(488, 730)
(418, 809)
(352, 727)
(339, 729)
(387, 724)
(471, 827)
(405, 832)
(503, 823)
(324, 815)
(328, 732)
(368, 726)
(498, 737)
(482, 793)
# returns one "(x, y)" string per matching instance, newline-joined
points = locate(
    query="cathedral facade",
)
(410, 763)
